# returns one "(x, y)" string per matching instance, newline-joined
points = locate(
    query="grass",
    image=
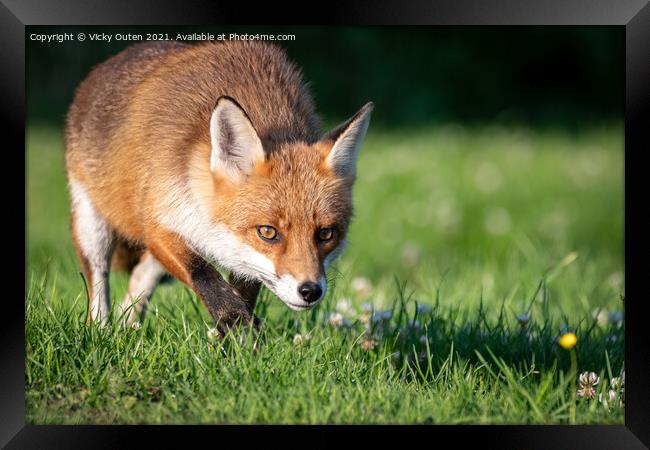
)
(484, 243)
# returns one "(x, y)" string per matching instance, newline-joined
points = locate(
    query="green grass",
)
(480, 224)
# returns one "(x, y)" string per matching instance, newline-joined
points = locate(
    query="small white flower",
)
(213, 333)
(136, 325)
(344, 306)
(368, 343)
(336, 319)
(587, 381)
(366, 313)
(612, 398)
(589, 378)
(299, 339)
(612, 395)
(364, 318)
(600, 316)
(361, 286)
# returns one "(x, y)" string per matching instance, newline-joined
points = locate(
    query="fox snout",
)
(310, 291)
(299, 295)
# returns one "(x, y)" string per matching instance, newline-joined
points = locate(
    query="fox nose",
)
(310, 292)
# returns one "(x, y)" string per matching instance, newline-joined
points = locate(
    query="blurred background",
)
(494, 157)
(542, 76)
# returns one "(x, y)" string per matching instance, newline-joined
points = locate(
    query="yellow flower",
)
(568, 340)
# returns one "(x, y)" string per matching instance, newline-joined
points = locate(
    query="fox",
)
(188, 160)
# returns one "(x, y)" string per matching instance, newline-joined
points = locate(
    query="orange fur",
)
(138, 130)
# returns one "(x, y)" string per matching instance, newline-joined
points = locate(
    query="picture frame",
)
(634, 15)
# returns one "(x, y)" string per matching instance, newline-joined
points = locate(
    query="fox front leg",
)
(226, 306)
(224, 303)
(248, 290)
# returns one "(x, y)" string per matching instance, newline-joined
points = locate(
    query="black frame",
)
(633, 14)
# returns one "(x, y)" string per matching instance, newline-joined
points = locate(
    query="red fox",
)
(189, 156)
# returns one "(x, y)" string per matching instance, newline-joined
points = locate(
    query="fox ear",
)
(236, 147)
(347, 139)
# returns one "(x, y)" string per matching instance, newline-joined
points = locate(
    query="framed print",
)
(418, 223)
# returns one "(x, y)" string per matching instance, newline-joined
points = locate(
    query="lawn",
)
(472, 250)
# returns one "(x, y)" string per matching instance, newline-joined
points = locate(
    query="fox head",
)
(283, 213)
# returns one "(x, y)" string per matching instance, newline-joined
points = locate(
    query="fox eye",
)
(326, 234)
(267, 232)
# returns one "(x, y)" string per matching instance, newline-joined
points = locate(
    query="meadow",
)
(472, 250)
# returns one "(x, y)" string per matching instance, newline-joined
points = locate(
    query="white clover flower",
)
(361, 286)
(612, 396)
(600, 316)
(368, 343)
(299, 339)
(587, 381)
(366, 313)
(336, 319)
(364, 318)
(623, 385)
(589, 378)
(213, 333)
(344, 306)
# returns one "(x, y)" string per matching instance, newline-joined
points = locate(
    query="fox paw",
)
(218, 334)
